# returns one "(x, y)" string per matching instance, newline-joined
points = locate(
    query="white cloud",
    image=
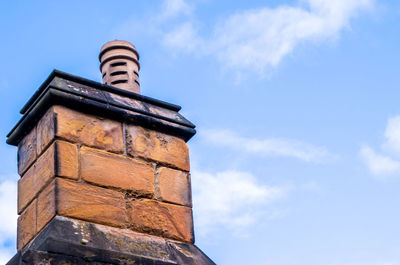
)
(378, 164)
(232, 199)
(392, 135)
(258, 39)
(8, 220)
(387, 163)
(269, 146)
(250, 40)
(183, 38)
(153, 24)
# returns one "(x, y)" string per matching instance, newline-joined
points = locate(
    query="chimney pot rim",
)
(117, 44)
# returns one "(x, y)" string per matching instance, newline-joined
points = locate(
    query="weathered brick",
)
(174, 186)
(90, 203)
(157, 146)
(66, 160)
(88, 129)
(161, 219)
(26, 225)
(61, 122)
(112, 170)
(27, 151)
(46, 206)
(46, 130)
(60, 159)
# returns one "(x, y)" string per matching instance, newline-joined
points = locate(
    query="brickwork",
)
(60, 159)
(86, 167)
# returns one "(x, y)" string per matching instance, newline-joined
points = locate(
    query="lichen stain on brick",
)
(81, 128)
(102, 137)
(76, 127)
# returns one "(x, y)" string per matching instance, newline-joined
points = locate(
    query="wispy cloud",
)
(378, 164)
(258, 39)
(386, 162)
(232, 199)
(8, 221)
(280, 147)
(173, 8)
(155, 23)
(392, 136)
(236, 199)
(184, 38)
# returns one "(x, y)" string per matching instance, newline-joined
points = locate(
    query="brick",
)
(66, 160)
(74, 126)
(46, 130)
(27, 151)
(89, 130)
(157, 146)
(26, 225)
(60, 159)
(174, 186)
(90, 203)
(161, 219)
(46, 206)
(112, 170)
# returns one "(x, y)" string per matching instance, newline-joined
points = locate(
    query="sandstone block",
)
(61, 122)
(60, 159)
(46, 129)
(27, 151)
(161, 219)
(90, 203)
(26, 225)
(157, 146)
(174, 186)
(66, 160)
(46, 206)
(112, 170)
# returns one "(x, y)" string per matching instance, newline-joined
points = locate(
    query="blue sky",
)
(297, 156)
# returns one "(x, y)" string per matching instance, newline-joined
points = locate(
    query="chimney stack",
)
(105, 174)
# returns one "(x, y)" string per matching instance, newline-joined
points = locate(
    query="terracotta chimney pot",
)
(119, 65)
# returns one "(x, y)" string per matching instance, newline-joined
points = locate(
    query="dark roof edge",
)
(58, 73)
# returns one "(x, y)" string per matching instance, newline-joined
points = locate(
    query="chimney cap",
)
(119, 65)
(117, 44)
